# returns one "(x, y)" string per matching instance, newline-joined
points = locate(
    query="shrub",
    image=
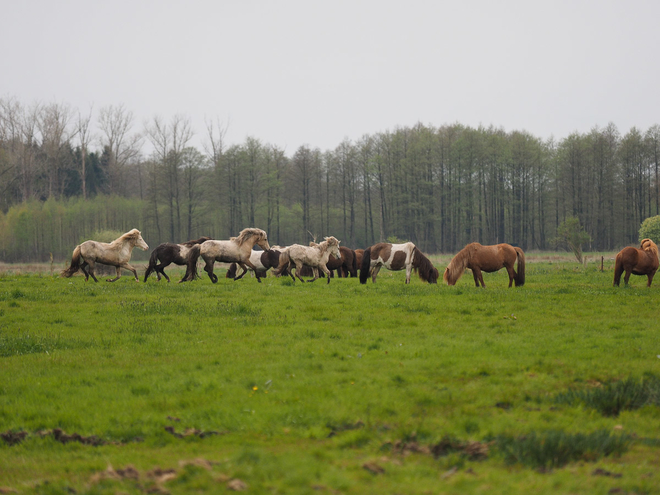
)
(650, 229)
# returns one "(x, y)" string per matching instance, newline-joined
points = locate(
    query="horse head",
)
(333, 246)
(140, 242)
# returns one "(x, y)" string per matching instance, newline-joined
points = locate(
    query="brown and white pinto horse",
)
(396, 257)
(235, 250)
(117, 254)
(262, 260)
(487, 259)
(168, 253)
(642, 261)
(316, 256)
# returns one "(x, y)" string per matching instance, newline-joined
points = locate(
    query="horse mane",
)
(245, 235)
(650, 247)
(196, 241)
(131, 235)
(459, 263)
(427, 272)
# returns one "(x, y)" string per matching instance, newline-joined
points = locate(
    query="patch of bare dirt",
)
(190, 432)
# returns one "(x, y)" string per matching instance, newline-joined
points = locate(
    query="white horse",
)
(117, 254)
(235, 250)
(316, 256)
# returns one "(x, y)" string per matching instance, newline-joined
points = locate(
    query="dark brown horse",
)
(168, 253)
(397, 257)
(642, 261)
(487, 259)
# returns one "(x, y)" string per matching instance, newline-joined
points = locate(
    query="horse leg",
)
(408, 272)
(83, 266)
(162, 270)
(91, 271)
(327, 272)
(512, 274)
(627, 276)
(374, 273)
(315, 271)
(208, 268)
(131, 268)
(117, 277)
(245, 269)
(478, 277)
(298, 268)
(650, 277)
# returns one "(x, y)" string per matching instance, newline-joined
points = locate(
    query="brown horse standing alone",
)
(488, 259)
(642, 261)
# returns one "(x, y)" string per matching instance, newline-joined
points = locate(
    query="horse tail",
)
(75, 263)
(354, 265)
(365, 268)
(153, 260)
(231, 273)
(191, 266)
(283, 263)
(520, 274)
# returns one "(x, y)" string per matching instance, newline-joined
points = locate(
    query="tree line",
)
(67, 174)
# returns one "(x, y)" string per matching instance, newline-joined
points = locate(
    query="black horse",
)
(168, 253)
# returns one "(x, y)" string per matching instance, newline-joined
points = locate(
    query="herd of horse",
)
(320, 259)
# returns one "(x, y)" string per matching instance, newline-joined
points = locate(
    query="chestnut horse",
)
(237, 249)
(487, 259)
(117, 254)
(316, 256)
(168, 253)
(642, 261)
(396, 257)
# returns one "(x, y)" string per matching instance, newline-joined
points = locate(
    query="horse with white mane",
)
(316, 256)
(117, 254)
(235, 250)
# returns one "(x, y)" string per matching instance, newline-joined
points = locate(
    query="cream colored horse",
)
(235, 250)
(315, 256)
(117, 254)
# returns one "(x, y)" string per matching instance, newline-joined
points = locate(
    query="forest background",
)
(66, 175)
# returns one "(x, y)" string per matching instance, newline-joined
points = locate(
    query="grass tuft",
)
(554, 449)
(615, 397)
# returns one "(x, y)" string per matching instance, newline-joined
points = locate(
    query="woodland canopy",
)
(65, 175)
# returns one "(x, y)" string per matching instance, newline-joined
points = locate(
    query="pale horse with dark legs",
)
(235, 250)
(116, 253)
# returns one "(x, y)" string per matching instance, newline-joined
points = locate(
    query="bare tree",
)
(115, 123)
(53, 125)
(84, 136)
(169, 141)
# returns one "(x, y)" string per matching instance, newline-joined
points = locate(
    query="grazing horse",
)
(168, 253)
(316, 256)
(642, 261)
(117, 254)
(487, 259)
(396, 257)
(235, 250)
(262, 260)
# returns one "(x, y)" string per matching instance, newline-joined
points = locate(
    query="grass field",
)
(342, 388)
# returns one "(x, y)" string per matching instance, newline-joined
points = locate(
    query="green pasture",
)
(285, 387)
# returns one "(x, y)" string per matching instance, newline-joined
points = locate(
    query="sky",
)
(293, 73)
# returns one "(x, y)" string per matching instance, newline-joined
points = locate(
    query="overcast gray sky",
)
(307, 72)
